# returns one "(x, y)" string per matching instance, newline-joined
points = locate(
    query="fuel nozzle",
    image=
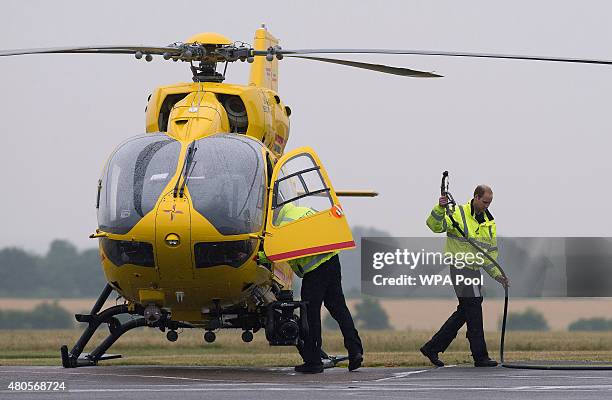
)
(450, 206)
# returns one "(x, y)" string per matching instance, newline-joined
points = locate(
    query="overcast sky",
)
(538, 133)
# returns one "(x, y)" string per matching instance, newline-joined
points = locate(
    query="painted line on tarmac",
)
(565, 387)
(552, 376)
(60, 372)
(517, 377)
(351, 389)
(399, 375)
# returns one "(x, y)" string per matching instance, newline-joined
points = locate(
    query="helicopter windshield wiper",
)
(185, 170)
(190, 166)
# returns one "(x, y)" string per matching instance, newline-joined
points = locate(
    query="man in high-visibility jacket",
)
(478, 224)
(321, 284)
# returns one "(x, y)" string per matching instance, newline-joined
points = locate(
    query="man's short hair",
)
(481, 190)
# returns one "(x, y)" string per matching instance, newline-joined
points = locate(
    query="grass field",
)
(382, 348)
(417, 314)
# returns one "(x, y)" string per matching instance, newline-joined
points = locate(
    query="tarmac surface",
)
(163, 382)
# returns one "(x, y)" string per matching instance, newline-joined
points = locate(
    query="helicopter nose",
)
(172, 239)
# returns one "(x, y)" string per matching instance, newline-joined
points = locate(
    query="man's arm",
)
(491, 269)
(495, 273)
(437, 220)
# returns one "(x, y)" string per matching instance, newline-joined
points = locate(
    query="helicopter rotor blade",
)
(173, 51)
(344, 193)
(442, 53)
(373, 67)
(198, 52)
(356, 193)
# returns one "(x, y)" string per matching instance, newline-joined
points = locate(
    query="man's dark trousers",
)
(324, 286)
(468, 311)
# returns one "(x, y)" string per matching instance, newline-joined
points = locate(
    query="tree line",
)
(43, 316)
(63, 272)
(66, 272)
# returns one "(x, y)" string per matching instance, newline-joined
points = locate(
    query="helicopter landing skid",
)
(76, 357)
(84, 360)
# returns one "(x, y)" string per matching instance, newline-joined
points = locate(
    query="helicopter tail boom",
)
(264, 73)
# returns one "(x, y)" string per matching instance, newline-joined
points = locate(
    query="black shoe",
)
(355, 361)
(485, 362)
(309, 368)
(432, 357)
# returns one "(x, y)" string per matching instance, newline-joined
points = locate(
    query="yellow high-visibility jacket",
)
(483, 234)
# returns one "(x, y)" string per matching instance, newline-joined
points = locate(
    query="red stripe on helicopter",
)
(311, 250)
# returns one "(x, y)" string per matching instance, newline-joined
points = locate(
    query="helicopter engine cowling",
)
(251, 110)
(198, 114)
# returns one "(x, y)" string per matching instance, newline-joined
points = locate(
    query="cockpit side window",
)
(300, 184)
(136, 174)
(227, 183)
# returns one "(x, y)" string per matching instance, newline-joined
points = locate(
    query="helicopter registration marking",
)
(173, 211)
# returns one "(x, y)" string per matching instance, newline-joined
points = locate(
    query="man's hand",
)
(505, 282)
(443, 201)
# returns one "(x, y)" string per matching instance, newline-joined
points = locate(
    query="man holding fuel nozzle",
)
(477, 223)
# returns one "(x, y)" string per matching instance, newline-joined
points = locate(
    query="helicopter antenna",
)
(197, 98)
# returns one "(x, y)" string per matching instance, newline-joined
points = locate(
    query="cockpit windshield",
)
(226, 183)
(136, 174)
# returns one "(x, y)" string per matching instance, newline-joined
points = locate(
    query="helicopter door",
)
(302, 188)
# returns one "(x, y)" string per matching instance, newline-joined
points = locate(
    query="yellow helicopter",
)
(184, 209)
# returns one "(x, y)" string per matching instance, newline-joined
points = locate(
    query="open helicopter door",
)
(300, 185)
